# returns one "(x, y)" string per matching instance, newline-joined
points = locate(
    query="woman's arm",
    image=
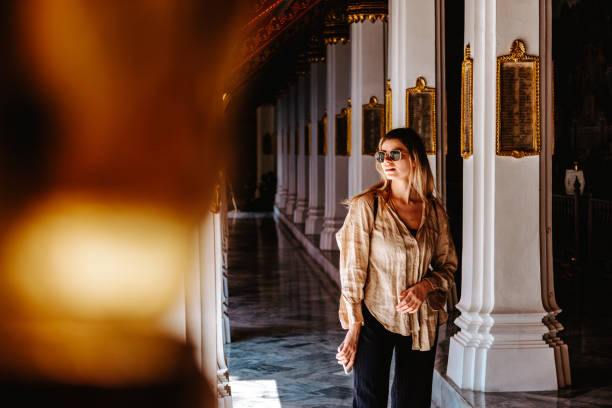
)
(354, 243)
(441, 276)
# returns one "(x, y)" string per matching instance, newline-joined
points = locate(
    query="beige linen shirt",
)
(397, 261)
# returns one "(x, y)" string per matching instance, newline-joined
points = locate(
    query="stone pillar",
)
(204, 303)
(500, 345)
(302, 148)
(265, 144)
(316, 195)
(412, 54)
(281, 148)
(291, 157)
(367, 25)
(564, 378)
(336, 167)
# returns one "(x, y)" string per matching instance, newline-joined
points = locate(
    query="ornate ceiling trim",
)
(263, 9)
(270, 31)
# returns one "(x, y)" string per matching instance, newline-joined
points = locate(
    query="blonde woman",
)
(397, 262)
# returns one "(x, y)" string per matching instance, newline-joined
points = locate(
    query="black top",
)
(413, 231)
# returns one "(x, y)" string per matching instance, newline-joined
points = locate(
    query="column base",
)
(314, 221)
(290, 207)
(281, 199)
(513, 358)
(328, 234)
(299, 215)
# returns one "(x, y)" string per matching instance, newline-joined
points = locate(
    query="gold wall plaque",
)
(307, 139)
(467, 92)
(342, 131)
(322, 135)
(421, 113)
(373, 126)
(518, 103)
(388, 102)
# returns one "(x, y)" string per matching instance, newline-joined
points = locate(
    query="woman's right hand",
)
(348, 348)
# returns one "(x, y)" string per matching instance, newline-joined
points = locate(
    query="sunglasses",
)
(381, 155)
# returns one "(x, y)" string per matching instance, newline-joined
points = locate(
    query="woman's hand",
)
(412, 298)
(348, 348)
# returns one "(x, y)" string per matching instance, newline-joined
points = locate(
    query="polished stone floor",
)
(284, 327)
(284, 324)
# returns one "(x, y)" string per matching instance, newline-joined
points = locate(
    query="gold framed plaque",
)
(342, 133)
(307, 139)
(372, 125)
(388, 102)
(518, 103)
(421, 113)
(322, 136)
(467, 89)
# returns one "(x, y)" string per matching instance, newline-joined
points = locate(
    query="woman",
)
(391, 297)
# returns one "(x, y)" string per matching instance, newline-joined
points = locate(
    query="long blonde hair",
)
(421, 178)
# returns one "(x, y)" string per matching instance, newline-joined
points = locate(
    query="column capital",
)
(362, 10)
(316, 49)
(336, 28)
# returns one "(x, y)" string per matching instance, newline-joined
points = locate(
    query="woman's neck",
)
(402, 190)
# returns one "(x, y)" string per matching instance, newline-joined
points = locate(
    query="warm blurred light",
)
(76, 257)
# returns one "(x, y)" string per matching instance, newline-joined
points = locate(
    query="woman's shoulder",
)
(362, 200)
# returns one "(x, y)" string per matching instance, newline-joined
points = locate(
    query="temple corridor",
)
(285, 330)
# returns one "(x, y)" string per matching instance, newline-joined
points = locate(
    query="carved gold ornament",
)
(336, 29)
(361, 11)
(388, 102)
(467, 103)
(325, 133)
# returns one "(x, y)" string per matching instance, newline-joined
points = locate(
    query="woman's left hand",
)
(412, 298)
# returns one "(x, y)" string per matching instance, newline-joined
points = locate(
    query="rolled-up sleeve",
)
(441, 276)
(354, 243)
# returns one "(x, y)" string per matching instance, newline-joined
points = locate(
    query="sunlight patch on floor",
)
(254, 393)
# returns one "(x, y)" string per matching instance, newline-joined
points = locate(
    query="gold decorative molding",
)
(316, 49)
(343, 131)
(388, 103)
(302, 66)
(467, 103)
(360, 11)
(518, 87)
(348, 127)
(336, 29)
(325, 133)
(372, 126)
(421, 113)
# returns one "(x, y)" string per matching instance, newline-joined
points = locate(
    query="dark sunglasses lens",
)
(380, 156)
(395, 155)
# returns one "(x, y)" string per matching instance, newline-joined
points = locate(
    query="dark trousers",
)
(413, 368)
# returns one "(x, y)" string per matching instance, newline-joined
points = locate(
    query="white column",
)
(303, 106)
(336, 167)
(291, 158)
(265, 134)
(412, 54)
(281, 147)
(500, 345)
(316, 196)
(367, 80)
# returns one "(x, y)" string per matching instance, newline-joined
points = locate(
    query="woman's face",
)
(399, 169)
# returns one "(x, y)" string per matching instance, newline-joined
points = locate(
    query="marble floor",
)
(284, 324)
(284, 328)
